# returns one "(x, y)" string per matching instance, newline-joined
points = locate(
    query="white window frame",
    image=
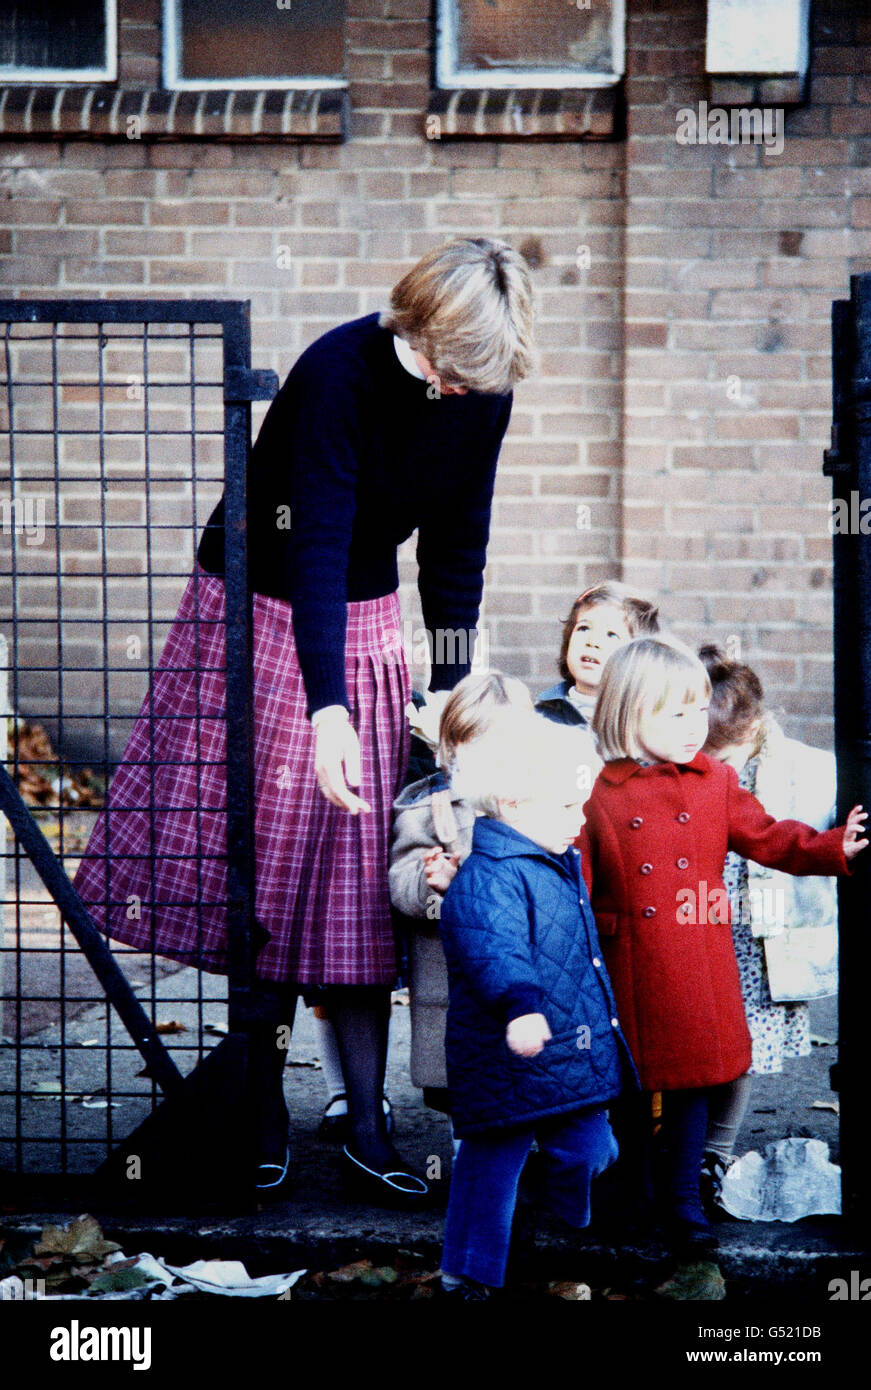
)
(10, 73)
(449, 76)
(173, 80)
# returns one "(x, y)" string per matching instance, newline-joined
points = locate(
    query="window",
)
(513, 43)
(254, 43)
(41, 40)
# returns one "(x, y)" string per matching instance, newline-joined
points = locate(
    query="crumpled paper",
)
(163, 1281)
(790, 1179)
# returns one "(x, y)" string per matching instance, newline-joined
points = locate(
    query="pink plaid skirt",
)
(154, 871)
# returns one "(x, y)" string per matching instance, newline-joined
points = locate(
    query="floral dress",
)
(776, 1030)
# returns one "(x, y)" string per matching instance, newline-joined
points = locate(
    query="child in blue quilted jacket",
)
(534, 1050)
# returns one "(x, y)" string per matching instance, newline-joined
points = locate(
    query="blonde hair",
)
(641, 615)
(521, 757)
(471, 707)
(467, 306)
(636, 682)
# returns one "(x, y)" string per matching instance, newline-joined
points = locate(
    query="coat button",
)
(615, 1023)
(649, 912)
(683, 863)
(636, 822)
(683, 817)
(646, 869)
(597, 962)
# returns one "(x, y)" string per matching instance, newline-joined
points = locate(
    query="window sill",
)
(538, 113)
(297, 115)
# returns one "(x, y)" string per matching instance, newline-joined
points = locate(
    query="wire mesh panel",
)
(114, 437)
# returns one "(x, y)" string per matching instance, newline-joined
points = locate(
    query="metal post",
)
(848, 463)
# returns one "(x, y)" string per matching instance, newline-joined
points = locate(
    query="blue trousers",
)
(574, 1148)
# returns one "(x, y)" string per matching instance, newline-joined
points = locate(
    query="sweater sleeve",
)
(324, 443)
(451, 554)
(788, 845)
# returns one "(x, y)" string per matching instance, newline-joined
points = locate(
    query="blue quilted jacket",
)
(520, 938)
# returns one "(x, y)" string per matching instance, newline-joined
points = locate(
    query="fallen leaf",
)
(220, 1028)
(171, 1025)
(117, 1279)
(568, 1289)
(699, 1282)
(82, 1240)
(348, 1273)
(832, 1105)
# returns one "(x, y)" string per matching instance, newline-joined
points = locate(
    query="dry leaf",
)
(699, 1282)
(82, 1240)
(568, 1289)
(832, 1105)
(171, 1025)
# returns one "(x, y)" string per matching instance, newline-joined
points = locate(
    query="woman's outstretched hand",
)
(337, 760)
(853, 829)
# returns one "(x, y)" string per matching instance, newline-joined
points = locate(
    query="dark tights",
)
(360, 1015)
(669, 1177)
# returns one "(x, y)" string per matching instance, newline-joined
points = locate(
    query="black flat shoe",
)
(396, 1187)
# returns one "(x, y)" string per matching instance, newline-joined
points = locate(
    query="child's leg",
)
(575, 1148)
(328, 1052)
(727, 1108)
(481, 1204)
(684, 1127)
(633, 1129)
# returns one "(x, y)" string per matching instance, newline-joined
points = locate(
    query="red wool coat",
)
(653, 848)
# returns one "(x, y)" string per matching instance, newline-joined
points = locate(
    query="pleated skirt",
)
(154, 872)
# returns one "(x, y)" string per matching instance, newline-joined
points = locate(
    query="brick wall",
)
(703, 265)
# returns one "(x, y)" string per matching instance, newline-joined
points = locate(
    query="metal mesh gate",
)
(120, 424)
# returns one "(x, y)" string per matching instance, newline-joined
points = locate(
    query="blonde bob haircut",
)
(473, 704)
(467, 306)
(522, 757)
(637, 681)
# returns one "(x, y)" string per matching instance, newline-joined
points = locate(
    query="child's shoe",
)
(464, 1290)
(688, 1229)
(714, 1169)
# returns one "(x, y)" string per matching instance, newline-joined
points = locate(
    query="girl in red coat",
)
(659, 822)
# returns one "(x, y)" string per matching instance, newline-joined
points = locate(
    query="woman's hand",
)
(528, 1034)
(853, 829)
(440, 868)
(337, 759)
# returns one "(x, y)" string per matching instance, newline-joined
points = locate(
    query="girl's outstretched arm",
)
(788, 845)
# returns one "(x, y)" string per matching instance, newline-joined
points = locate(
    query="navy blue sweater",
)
(363, 453)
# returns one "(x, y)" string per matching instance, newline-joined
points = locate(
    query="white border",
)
(176, 83)
(448, 76)
(108, 73)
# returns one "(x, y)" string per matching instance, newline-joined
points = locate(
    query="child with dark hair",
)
(604, 617)
(784, 928)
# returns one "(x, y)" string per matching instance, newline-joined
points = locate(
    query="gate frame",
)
(242, 384)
